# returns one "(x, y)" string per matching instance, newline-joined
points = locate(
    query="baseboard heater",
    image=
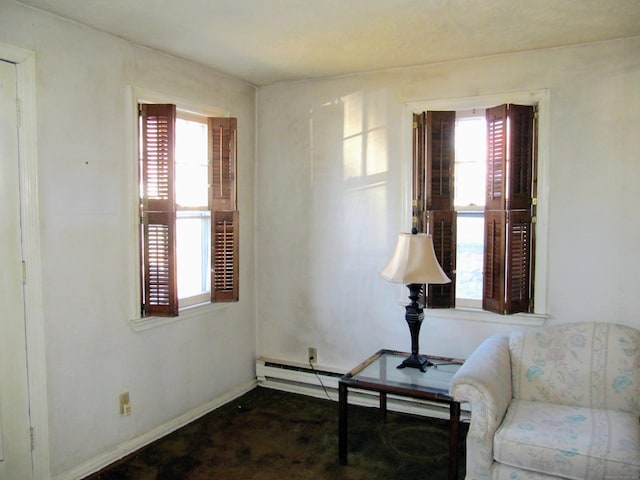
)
(323, 383)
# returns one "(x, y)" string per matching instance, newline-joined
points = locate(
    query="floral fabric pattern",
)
(484, 381)
(594, 365)
(556, 402)
(569, 442)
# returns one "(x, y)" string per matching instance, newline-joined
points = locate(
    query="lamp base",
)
(414, 316)
(415, 361)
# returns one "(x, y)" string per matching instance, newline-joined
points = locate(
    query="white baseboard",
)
(320, 382)
(130, 446)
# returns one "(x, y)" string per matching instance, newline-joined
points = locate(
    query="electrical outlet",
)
(125, 404)
(313, 355)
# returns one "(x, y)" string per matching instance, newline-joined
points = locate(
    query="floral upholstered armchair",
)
(555, 402)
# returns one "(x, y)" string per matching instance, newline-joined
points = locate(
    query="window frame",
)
(136, 96)
(541, 98)
(192, 212)
(193, 300)
(469, 211)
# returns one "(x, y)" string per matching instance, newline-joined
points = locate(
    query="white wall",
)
(331, 201)
(87, 188)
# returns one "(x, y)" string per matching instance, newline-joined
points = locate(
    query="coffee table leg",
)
(342, 423)
(383, 406)
(454, 423)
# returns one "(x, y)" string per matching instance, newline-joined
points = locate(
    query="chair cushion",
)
(567, 441)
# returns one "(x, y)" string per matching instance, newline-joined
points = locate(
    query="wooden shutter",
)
(224, 280)
(223, 163)
(225, 227)
(440, 160)
(496, 157)
(519, 255)
(158, 214)
(493, 298)
(508, 210)
(521, 154)
(440, 213)
(442, 227)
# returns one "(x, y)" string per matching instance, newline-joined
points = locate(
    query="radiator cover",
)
(323, 383)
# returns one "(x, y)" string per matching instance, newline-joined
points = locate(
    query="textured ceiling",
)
(268, 41)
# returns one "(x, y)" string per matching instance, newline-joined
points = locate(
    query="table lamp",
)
(414, 263)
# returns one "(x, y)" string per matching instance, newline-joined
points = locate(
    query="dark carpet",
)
(267, 435)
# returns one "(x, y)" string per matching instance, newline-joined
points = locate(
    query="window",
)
(468, 200)
(482, 224)
(193, 217)
(189, 220)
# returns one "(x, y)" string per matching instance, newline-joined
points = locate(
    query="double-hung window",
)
(474, 191)
(188, 212)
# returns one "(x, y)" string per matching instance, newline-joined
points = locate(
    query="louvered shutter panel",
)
(521, 152)
(158, 215)
(441, 217)
(496, 157)
(224, 281)
(509, 232)
(225, 226)
(442, 227)
(440, 150)
(223, 163)
(519, 243)
(494, 257)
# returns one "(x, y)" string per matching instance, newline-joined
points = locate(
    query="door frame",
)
(25, 63)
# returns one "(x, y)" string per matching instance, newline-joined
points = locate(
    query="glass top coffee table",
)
(380, 373)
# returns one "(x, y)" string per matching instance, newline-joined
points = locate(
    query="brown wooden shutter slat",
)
(225, 227)
(225, 248)
(507, 284)
(442, 227)
(494, 257)
(158, 214)
(160, 288)
(521, 122)
(223, 163)
(496, 157)
(440, 160)
(519, 244)
(440, 213)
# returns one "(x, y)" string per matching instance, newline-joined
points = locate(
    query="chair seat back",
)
(586, 364)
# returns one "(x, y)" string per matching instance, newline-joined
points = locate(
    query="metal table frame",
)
(384, 386)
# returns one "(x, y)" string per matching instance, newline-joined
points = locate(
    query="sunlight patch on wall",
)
(365, 137)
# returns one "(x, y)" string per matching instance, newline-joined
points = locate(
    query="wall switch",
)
(125, 404)
(313, 355)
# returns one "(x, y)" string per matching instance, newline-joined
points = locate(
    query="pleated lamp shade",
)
(414, 261)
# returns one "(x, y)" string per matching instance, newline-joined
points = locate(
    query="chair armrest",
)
(484, 381)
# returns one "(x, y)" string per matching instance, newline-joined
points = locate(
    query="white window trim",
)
(141, 324)
(540, 97)
(135, 96)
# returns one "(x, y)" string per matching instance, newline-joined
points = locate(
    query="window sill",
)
(186, 313)
(477, 315)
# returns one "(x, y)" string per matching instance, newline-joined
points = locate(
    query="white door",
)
(15, 425)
